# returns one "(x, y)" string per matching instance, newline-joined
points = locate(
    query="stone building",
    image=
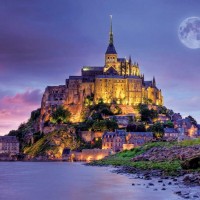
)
(118, 80)
(114, 140)
(171, 133)
(186, 127)
(122, 140)
(9, 145)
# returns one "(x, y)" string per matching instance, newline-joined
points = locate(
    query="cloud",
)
(16, 109)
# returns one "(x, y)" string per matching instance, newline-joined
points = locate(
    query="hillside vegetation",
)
(51, 145)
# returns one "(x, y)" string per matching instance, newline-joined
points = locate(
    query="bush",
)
(60, 115)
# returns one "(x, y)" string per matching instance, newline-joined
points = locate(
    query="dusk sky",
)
(43, 42)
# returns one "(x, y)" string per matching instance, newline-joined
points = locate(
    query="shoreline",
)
(154, 180)
(157, 181)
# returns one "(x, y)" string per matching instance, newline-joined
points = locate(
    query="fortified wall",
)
(90, 154)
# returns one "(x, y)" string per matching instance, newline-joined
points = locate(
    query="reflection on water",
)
(69, 181)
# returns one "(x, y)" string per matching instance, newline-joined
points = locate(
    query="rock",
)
(151, 184)
(191, 163)
(155, 189)
(178, 192)
(196, 196)
(133, 184)
(163, 189)
(160, 181)
(169, 183)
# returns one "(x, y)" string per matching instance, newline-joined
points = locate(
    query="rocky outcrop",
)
(169, 153)
(51, 146)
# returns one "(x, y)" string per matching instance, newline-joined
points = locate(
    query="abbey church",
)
(119, 80)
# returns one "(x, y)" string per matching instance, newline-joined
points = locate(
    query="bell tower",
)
(111, 54)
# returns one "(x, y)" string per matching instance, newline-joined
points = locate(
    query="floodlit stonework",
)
(119, 80)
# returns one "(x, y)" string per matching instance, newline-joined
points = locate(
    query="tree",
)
(111, 125)
(99, 126)
(146, 114)
(97, 116)
(157, 129)
(140, 128)
(89, 100)
(60, 115)
(169, 124)
(131, 128)
(106, 111)
(193, 121)
(162, 110)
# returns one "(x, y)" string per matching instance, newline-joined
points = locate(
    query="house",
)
(171, 133)
(135, 139)
(114, 140)
(9, 145)
(187, 126)
(122, 140)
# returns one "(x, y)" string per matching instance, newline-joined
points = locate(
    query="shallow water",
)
(71, 181)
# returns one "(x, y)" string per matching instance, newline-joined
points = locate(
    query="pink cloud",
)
(16, 109)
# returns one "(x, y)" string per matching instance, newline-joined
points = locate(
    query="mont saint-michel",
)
(63, 67)
(119, 80)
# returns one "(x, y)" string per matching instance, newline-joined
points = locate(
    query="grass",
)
(124, 158)
(187, 143)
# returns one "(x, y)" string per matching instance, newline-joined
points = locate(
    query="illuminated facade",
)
(119, 81)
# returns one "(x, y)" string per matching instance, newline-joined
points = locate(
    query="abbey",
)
(119, 81)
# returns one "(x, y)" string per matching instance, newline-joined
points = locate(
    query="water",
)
(70, 181)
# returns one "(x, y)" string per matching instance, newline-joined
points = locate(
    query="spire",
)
(154, 81)
(111, 33)
(111, 48)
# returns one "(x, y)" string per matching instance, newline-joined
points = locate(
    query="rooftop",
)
(8, 139)
(111, 49)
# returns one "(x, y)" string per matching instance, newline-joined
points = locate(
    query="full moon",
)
(189, 32)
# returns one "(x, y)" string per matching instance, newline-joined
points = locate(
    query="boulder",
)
(191, 163)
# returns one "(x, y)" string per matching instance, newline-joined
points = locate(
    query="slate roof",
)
(121, 133)
(148, 83)
(75, 77)
(8, 139)
(121, 59)
(146, 134)
(111, 49)
(170, 130)
(185, 121)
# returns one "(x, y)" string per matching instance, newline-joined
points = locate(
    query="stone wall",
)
(128, 146)
(90, 154)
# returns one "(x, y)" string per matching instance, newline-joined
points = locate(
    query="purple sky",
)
(43, 42)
